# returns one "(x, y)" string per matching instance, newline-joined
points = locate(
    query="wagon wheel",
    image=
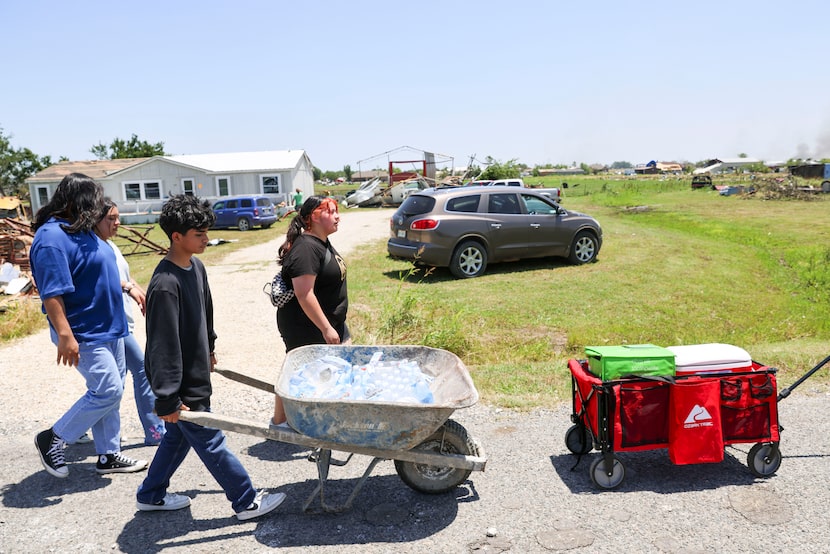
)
(578, 439)
(450, 438)
(600, 476)
(764, 459)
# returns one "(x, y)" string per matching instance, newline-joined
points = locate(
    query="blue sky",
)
(540, 82)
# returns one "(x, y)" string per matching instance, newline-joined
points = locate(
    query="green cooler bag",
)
(615, 362)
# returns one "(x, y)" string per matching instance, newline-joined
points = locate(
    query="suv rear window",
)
(415, 204)
(263, 202)
(468, 204)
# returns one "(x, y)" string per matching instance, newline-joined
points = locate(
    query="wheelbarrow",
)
(432, 453)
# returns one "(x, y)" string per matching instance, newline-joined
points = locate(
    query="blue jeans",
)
(210, 445)
(102, 366)
(145, 400)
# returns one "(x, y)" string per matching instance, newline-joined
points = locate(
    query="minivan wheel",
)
(584, 248)
(243, 224)
(468, 260)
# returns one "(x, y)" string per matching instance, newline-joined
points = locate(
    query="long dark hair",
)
(106, 205)
(78, 199)
(301, 222)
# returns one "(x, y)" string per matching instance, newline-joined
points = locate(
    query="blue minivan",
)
(244, 212)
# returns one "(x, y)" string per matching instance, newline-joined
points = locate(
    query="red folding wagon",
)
(694, 416)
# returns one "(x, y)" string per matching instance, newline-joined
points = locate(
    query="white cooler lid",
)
(694, 355)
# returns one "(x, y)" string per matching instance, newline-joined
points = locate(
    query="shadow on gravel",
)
(275, 451)
(653, 471)
(385, 511)
(42, 490)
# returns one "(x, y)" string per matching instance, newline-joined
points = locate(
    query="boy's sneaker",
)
(84, 439)
(279, 426)
(51, 448)
(169, 502)
(118, 463)
(262, 504)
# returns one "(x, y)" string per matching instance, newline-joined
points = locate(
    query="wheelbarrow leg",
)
(322, 457)
(361, 482)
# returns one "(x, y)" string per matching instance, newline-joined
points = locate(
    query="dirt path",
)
(530, 499)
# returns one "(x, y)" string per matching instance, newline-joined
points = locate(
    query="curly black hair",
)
(184, 212)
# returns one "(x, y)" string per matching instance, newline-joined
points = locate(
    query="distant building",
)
(654, 167)
(141, 185)
(726, 165)
(562, 171)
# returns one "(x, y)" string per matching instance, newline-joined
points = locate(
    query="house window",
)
(42, 196)
(270, 184)
(142, 190)
(223, 186)
(188, 187)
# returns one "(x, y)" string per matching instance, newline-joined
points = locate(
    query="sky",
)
(538, 82)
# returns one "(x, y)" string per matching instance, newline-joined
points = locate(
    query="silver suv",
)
(465, 228)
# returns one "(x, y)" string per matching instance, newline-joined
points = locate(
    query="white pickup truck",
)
(554, 193)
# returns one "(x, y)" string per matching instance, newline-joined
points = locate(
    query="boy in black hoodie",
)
(179, 358)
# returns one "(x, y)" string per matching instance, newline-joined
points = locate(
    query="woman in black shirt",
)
(317, 273)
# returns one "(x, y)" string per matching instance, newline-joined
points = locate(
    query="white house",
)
(140, 185)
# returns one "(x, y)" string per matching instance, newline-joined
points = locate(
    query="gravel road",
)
(528, 500)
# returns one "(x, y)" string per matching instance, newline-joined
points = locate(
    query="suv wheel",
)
(243, 224)
(468, 260)
(584, 248)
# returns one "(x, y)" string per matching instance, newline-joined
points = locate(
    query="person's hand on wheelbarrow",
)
(174, 417)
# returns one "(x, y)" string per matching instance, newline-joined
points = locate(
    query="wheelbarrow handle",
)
(245, 379)
(786, 392)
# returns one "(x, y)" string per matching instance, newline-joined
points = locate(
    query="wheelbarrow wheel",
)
(764, 459)
(450, 438)
(605, 479)
(578, 439)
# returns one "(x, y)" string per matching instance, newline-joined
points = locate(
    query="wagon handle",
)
(786, 392)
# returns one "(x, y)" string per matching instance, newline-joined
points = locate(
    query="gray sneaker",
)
(118, 463)
(170, 501)
(263, 503)
(51, 448)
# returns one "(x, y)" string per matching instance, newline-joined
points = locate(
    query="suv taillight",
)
(424, 224)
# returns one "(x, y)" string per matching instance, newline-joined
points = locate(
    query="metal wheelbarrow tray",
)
(432, 453)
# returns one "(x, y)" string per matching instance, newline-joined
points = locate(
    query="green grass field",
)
(677, 266)
(686, 267)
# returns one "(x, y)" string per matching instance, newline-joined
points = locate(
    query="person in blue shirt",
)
(78, 282)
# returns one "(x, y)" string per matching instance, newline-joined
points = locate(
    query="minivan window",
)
(416, 204)
(468, 204)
